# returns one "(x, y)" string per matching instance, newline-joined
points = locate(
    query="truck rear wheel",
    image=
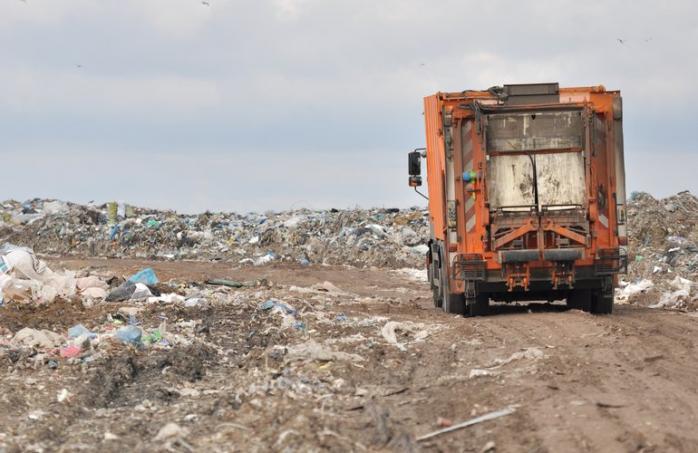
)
(454, 303)
(436, 294)
(602, 304)
(579, 299)
(478, 305)
(435, 274)
(451, 302)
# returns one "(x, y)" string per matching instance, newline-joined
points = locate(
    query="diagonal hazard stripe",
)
(469, 214)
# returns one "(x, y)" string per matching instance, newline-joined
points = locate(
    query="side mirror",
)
(414, 165)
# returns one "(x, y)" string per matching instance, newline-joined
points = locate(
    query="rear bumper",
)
(543, 274)
(526, 255)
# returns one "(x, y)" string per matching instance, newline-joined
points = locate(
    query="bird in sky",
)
(205, 3)
(620, 40)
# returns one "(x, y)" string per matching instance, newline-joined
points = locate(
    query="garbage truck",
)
(526, 194)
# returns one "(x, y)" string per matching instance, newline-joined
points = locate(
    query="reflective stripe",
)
(469, 203)
(470, 224)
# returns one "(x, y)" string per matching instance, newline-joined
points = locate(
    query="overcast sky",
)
(272, 104)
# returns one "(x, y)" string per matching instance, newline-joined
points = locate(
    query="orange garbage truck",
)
(526, 190)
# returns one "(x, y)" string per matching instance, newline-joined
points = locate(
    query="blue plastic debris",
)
(341, 317)
(114, 232)
(130, 334)
(271, 303)
(146, 276)
(79, 330)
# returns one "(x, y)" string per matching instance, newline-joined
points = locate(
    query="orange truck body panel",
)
(527, 200)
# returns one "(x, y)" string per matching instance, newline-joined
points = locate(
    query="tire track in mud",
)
(635, 360)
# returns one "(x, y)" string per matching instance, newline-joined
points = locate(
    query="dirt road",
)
(335, 379)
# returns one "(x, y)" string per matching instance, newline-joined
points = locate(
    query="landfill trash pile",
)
(372, 237)
(196, 361)
(662, 252)
(25, 278)
(154, 355)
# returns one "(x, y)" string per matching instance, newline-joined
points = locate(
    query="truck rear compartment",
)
(525, 196)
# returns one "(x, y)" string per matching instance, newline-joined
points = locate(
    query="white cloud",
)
(27, 90)
(174, 18)
(17, 13)
(333, 76)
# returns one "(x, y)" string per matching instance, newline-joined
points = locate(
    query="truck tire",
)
(579, 299)
(436, 294)
(602, 304)
(435, 276)
(451, 302)
(454, 303)
(478, 305)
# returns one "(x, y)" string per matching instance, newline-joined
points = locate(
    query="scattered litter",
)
(390, 329)
(276, 305)
(145, 276)
(79, 331)
(94, 293)
(63, 395)
(70, 351)
(313, 350)
(130, 335)
(473, 421)
(417, 275)
(170, 431)
(141, 291)
(679, 297)
(526, 353)
(223, 282)
(122, 293)
(627, 290)
(44, 339)
(478, 372)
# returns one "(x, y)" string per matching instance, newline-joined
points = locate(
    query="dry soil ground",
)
(625, 382)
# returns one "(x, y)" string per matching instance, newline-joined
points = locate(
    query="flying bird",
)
(205, 3)
(620, 40)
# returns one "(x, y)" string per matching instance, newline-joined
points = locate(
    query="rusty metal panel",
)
(435, 164)
(534, 130)
(510, 182)
(599, 135)
(561, 181)
(619, 165)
